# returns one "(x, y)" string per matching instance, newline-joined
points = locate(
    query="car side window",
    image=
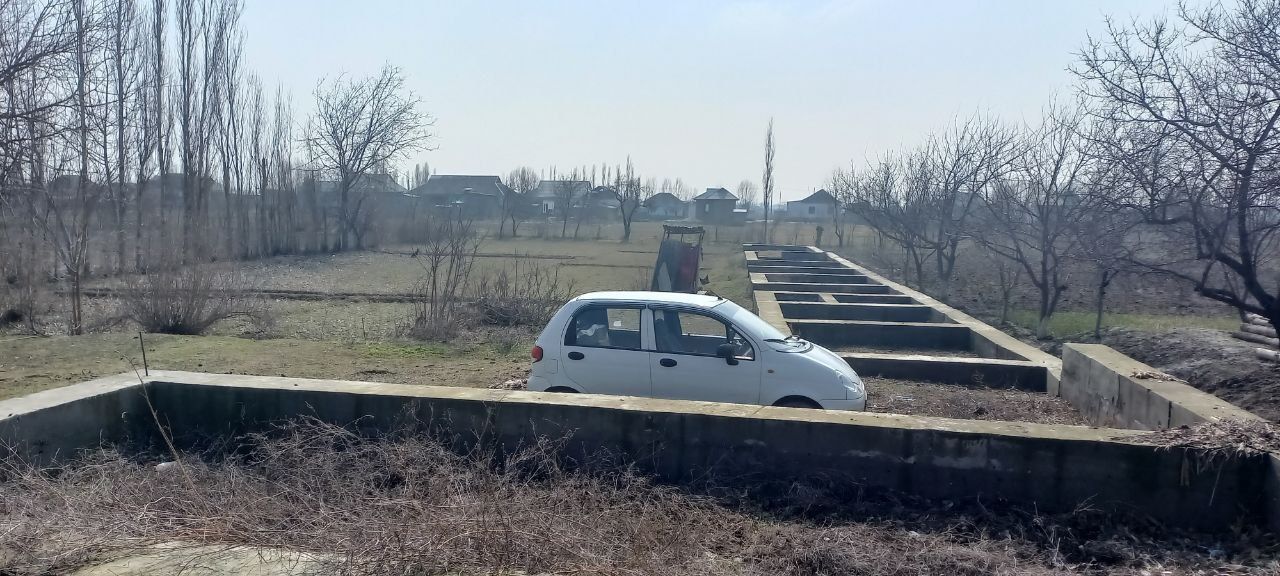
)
(605, 327)
(686, 332)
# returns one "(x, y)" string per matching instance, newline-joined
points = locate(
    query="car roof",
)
(696, 300)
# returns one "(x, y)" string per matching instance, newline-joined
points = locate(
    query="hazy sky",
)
(685, 88)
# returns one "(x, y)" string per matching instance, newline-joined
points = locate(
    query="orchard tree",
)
(360, 125)
(1195, 102)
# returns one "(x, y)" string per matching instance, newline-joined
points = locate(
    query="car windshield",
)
(750, 323)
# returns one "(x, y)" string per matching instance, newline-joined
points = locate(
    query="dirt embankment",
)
(1210, 360)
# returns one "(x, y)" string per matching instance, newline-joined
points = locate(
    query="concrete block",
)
(839, 311)
(907, 335)
(1147, 399)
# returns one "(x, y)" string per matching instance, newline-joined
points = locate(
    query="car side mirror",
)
(729, 352)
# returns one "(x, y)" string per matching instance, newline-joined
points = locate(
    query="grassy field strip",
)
(1072, 323)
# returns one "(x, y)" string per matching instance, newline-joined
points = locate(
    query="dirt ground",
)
(967, 403)
(31, 364)
(1210, 360)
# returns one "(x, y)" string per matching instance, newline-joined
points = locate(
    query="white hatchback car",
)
(686, 347)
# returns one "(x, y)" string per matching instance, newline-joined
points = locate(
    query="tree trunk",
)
(77, 313)
(1100, 307)
(1005, 296)
(1046, 313)
(137, 225)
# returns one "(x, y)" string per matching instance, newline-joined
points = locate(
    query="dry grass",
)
(407, 504)
(968, 402)
(1236, 437)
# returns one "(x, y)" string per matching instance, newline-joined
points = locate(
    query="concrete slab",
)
(1020, 374)
(834, 288)
(867, 311)
(185, 559)
(906, 335)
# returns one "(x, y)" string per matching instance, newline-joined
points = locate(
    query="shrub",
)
(520, 294)
(187, 299)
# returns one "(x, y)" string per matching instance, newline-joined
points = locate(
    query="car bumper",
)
(538, 383)
(857, 404)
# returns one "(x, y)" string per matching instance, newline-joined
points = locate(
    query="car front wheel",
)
(797, 402)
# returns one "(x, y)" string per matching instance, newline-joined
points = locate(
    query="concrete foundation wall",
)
(906, 335)
(54, 424)
(878, 312)
(1111, 389)
(763, 284)
(988, 372)
(1050, 468)
(872, 299)
(807, 277)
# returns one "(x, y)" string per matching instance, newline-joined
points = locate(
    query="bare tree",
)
(630, 194)
(1035, 212)
(841, 187)
(516, 205)
(1197, 103)
(1105, 243)
(891, 197)
(359, 125)
(747, 193)
(123, 47)
(766, 184)
(568, 190)
(447, 257)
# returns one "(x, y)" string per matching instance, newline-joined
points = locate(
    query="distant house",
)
(716, 206)
(600, 203)
(664, 206)
(549, 194)
(815, 207)
(476, 196)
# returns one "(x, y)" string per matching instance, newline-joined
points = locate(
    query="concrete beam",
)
(824, 278)
(873, 299)
(877, 312)
(988, 372)
(817, 267)
(763, 284)
(985, 340)
(907, 335)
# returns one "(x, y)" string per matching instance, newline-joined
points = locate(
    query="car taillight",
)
(536, 353)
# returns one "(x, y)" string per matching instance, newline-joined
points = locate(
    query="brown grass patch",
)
(407, 503)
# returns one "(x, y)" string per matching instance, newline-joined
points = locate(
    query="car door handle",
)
(668, 362)
(576, 356)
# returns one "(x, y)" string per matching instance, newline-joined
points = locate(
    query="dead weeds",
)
(411, 503)
(1234, 437)
(967, 402)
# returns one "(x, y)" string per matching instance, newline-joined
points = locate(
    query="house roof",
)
(363, 184)
(661, 198)
(819, 197)
(552, 188)
(716, 194)
(457, 185)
